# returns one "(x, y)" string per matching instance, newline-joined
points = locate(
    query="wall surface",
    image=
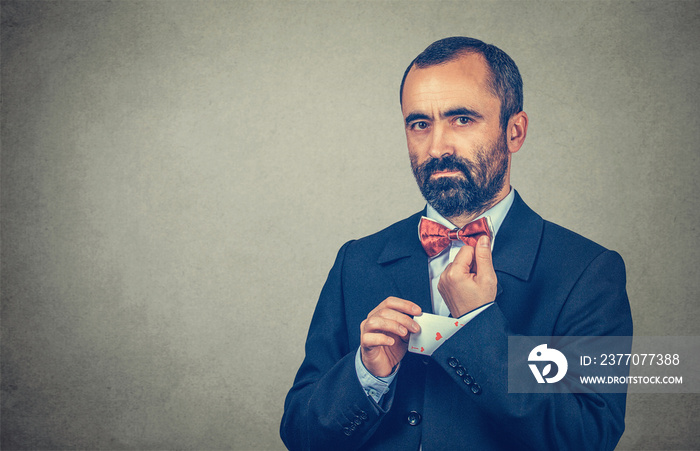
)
(177, 177)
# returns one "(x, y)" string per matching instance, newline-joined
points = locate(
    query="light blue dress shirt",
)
(377, 387)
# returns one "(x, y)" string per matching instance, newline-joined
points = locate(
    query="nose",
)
(440, 142)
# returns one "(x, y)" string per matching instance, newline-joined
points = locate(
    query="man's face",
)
(457, 147)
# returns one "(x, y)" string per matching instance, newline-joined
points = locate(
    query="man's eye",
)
(463, 120)
(420, 125)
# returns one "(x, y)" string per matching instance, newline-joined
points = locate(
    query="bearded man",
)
(359, 388)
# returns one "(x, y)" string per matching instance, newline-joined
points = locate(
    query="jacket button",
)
(413, 418)
(363, 415)
(476, 389)
(347, 431)
(468, 379)
(461, 371)
(453, 362)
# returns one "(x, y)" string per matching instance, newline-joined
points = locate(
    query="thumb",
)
(482, 256)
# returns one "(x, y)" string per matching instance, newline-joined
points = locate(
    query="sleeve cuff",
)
(471, 315)
(374, 386)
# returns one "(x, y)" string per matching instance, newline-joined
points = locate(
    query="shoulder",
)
(568, 241)
(404, 229)
(530, 240)
(398, 240)
(554, 238)
(571, 255)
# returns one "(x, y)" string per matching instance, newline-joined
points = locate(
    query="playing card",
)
(435, 329)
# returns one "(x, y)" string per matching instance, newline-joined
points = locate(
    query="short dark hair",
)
(505, 81)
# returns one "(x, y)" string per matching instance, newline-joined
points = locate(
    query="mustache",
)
(448, 163)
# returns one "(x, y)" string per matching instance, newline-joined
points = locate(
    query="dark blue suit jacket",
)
(551, 282)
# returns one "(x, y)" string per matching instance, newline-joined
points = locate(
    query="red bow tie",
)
(435, 237)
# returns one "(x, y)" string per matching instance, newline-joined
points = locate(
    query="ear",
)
(516, 131)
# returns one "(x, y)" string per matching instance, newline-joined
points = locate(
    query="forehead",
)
(463, 81)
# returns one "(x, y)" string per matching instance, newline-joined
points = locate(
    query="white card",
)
(434, 330)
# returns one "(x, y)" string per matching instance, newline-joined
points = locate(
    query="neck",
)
(467, 217)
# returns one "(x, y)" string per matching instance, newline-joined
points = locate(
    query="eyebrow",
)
(458, 111)
(462, 111)
(415, 117)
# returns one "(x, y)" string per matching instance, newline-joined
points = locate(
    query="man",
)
(358, 387)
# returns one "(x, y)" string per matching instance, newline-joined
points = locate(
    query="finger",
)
(401, 318)
(464, 258)
(394, 323)
(376, 339)
(378, 324)
(398, 304)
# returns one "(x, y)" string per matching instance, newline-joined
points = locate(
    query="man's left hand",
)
(470, 280)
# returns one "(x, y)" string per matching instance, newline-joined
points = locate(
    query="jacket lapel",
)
(406, 263)
(518, 241)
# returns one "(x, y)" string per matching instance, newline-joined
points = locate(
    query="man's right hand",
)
(384, 335)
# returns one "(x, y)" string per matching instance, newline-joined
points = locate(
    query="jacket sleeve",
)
(476, 358)
(327, 408)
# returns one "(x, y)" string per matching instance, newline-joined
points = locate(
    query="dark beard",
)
(473, 193)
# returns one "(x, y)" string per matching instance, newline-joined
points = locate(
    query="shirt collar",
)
(496, 214)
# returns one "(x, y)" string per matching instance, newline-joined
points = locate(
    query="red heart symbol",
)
(422, 349)
(456, 323)
(438, 336)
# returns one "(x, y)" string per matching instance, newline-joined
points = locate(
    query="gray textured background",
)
(164, 165)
